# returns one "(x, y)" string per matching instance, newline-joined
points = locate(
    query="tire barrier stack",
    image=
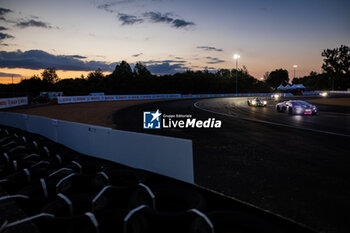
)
(62, 191)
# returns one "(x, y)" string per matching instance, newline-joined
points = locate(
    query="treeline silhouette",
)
(124, 80)
(336, 71)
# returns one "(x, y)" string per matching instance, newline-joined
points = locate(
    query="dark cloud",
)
(168, 18)
(264, 9)
(2, 74)
(109, 6)
(157, 17)
(209, 68)
(163, 61)
(2, 28)
(166, 68)
(214, 60)
(4, 11)
(78, 56)
(128, 19)
(137, 55)
(177, 61)
(180, 23)
(209, 48)
(38, 59)
(33, 23)
(4, 36)
(106, 7)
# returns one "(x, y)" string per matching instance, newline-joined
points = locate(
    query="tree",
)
(49, 75)
(277, 77)
(122, 70)
(223, 73)
(337, 66)
(141, 70)
(244, 70)
(336, 61)
(95, 76)
(266, 75)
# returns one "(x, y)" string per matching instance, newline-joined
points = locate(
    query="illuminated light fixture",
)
(295, 67)
(236, 56)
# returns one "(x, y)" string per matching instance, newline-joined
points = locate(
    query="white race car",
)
(297, 107)
(257, 102)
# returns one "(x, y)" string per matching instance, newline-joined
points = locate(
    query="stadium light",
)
(295, 67)
(236, 57)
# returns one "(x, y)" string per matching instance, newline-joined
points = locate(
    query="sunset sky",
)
(78, 36)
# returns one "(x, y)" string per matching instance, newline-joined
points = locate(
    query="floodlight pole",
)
(236, 57)
(237, 76)
(295, 67)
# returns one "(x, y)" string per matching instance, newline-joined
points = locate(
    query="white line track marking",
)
(270, 123)
(337, 113)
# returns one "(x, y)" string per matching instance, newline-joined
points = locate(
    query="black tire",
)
(81, 204)
(38, 197)
(35, 173)
(35, 189)
(233, 221)
(118, 197)
(290, 111)
(278, 109)
(92, 167)
(167, 222)
(109, 221)
(76, 184)
(18, 180)
(121, 178)
(53, 225)
(33, 206)
(169, 198)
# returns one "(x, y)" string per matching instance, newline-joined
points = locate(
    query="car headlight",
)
(298, 109)
(265, 102)
(253, 102)
(324, 94)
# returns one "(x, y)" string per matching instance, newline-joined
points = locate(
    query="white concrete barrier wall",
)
(340, 92)
(167, 156)
(12, 102)
(81, 99)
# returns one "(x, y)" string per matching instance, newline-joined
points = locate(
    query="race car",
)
(297, 107)
(257, 102)
(275, 96)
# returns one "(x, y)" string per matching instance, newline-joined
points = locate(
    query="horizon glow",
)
(170, 36)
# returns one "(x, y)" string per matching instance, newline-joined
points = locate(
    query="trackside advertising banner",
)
(82, 99)
(97, 98)
(12, 102)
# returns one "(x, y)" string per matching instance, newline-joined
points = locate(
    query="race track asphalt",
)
(294, 166)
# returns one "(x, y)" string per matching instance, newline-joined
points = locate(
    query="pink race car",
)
(297, 107)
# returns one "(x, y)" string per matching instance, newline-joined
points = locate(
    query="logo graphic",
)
(151, 120)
